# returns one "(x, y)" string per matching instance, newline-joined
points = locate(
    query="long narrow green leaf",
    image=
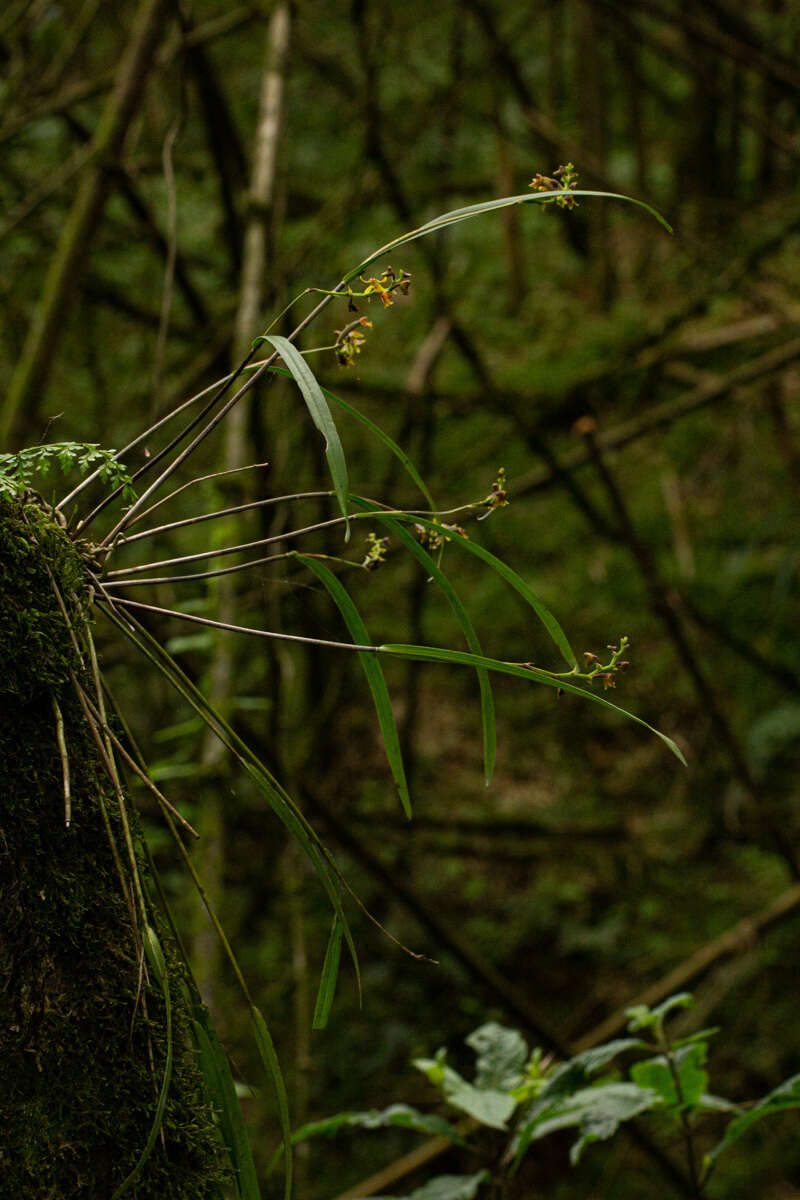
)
(373, 672)
(505, 572)
(390, 444)
(279, 800)
(270, 1059)
(435, 572)
(220, 1086)
(155, 957)
(320, 414)
(475, 210)
(436, 654)
(330, 973)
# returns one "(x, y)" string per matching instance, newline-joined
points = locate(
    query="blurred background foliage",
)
(640, 391)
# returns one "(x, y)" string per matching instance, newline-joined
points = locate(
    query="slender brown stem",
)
(211, 425)
(223, 512)
(264, 633)
(172, 562)
(136, 441)
(688, 1137)
(146, 780)
(254, 562)
(214, 475)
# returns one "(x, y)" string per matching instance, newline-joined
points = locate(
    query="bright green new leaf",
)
(643, 1017)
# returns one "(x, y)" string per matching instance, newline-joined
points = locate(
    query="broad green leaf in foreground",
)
(403, 1116)
(397, 1116)
(576, 1073)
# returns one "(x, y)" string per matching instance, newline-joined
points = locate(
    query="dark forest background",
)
(159, 207)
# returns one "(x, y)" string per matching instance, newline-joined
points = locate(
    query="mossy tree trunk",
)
(83, 1030)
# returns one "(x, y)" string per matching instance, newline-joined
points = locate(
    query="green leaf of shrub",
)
(446, 1187)
(596, 1111)
(489, 1106)
(655, 1073)
(502, 1054)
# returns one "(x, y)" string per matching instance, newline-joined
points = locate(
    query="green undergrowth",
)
(83, 1030)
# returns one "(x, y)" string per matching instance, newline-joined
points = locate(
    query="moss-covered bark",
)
(82, 1051)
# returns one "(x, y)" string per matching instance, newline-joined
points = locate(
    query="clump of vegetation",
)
(519, 1097)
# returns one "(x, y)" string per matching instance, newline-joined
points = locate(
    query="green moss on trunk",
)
(82, 1049)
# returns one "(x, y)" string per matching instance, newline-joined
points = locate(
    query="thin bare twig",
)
(264, 633)
(62, 750)
(253, 562)
(223, 512)
(146, 780)
(200, 479)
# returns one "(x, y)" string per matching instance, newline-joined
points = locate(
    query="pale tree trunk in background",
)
(255, 271)
(590, 87)
(29, 380)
